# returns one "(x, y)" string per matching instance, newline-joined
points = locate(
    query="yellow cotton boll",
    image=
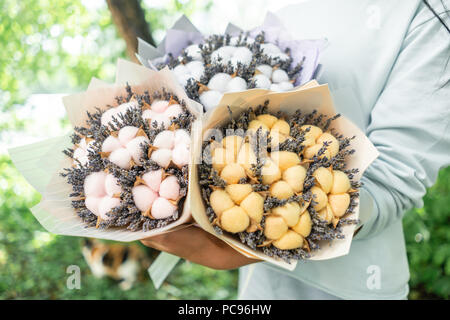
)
(275, 227)
(341, 182)
(285, 159)
(253, 204)
(220, 201)
(324, 178)
(304, 225)
(310, 152)
(326, 214)
(221, 157)
(333, 143)
(270, 172)
(232, 144)
(246, 157)
(290, 212)
(232, 173)
(276, 138)
(256, 124)
(319, 197)
(282, 127)
(238, 192)
(281, 190)
(312, 135)
(339, 203)
(295, 177)
(234, 220)
(267, 119)
(290, 240)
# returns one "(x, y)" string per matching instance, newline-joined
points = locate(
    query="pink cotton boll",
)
(121, 157)
(92, 204)
(134, 147)
(126, 106)
(164, 140)
(162, 157)
(143, 197)
(126, 134)
(173, 111)
(94, 184)
(162, 208)
(160, 106)
(182, 136)
(160, 119)
(106, 204)
(80, 155)
(181, 155)
(153, 179)
(108, 115)
(112, 185)
(110, 144)
(170, 188)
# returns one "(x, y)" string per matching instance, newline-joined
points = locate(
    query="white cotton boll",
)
(82, 144)
(182, 137)
(180, 69)
(219, 82)
(265, 69)
(279, 75)
(153, 179)
(162, 157)
(173, 111)
(280, 55)
(225, 52)
(134, 147)
(286, 85)
(275, 87)
(112, 185)
(108, 115)
(160, 119)
(261, 81)
(94, 184)
(159, 106)
(92, 204)
(126, 106)
(183, 78)
(147, 114)
(242, 55)
(234, 41)
(110, 144)
(126, 134)
(106, 204)
(270, 48)
(194, 52)
(170, 188)
(236, 84)
(121, 157)
(162, 208)
(164, 139)
(210, 99)
(196, 69)
(250, 40)
(143, 197)
(181, 155)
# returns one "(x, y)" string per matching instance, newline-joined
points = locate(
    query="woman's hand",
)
(198, 246)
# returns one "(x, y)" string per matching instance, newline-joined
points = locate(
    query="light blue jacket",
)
(388, 66)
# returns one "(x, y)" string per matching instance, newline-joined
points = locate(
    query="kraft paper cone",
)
(42, 162)
(307, 98)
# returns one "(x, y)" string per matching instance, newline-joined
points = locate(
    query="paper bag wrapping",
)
(306, 98)
(41, 163)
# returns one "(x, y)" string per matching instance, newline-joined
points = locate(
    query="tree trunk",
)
(129, 18)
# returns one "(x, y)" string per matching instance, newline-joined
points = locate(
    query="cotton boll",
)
(210, 99)
(261, 81)
(180, 69)
(194, 52)
(164, 139)
(105, 205)
(148, 114)
(112, 185)
(196, 69)
(265, 69)
(121, 157)
(281, 56)
(183, 78)
(234, 41)
(80, 155)
(170, 188)
(94, 184)
(279, 75)
(275, 87)
(236, 84)
(92, 204)
(126, 134)
(162, 208)
(162, 157)
(219, 82)
(160, 119)
(108, 115)
(134, 147)
(126, 106)
(181, 155)
(224, 52)
(182, 137)
(270, 48)
(173, 111)
(153, 179)
(242, 55)
(160, 106)
(110, 144)
(143, 197)
(286, 86)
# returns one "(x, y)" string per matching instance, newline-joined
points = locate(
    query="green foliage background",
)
(33, 262)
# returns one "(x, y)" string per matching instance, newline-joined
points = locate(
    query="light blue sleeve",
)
(409, 126)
